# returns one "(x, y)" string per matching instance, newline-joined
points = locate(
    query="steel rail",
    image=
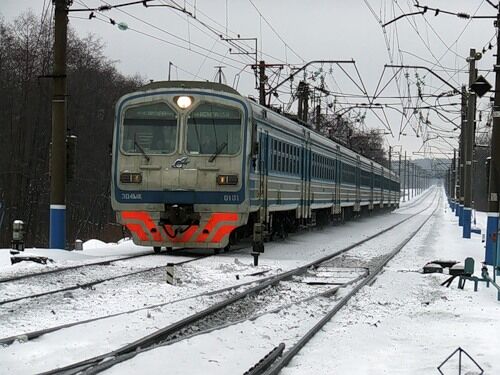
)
(35, 334)
(95, 282)
(287, 357)
(62, 269)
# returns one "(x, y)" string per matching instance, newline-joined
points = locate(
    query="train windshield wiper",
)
(141, 149)
(217, 152)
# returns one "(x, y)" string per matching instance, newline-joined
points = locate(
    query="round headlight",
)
(184, 102)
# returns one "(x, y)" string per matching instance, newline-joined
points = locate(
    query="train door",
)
(305, 176)
(358, 187)
(309, 174)
(264, 173)
(382, 183)
(337, 181)
(371, 185)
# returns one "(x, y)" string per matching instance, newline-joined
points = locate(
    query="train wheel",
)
(170, 250)
(157, 249)
(217, 250)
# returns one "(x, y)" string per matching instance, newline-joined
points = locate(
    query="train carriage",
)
(197, 165)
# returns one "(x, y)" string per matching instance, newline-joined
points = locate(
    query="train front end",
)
(180, 164)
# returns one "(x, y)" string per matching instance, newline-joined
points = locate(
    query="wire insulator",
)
(463, 15)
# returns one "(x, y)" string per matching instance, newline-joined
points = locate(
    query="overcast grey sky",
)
(303, 31)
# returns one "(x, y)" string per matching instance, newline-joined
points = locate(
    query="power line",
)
(275, 32)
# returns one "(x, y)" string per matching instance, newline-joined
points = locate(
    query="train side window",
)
(287, 158)
(294, 159)
(278, 169)
(273, 155)
(283, 161)
(313, 165)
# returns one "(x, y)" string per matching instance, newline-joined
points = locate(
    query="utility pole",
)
(457, 183)
(390, 158)
(169, 69)
(261, 66)
(452, 181)
(303, 105)
(469, 144)
(461, 155)
(492, 256)
(57, 236)
(390, 168)
(262, 82)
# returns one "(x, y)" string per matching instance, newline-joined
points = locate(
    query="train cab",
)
(180, 164)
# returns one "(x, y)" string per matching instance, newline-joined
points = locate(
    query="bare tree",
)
(94, 84)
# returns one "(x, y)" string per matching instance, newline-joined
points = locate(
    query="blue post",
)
(452, 205)
(461, 215)
(57, 237)
(491, 238)
(457, 209)
(467, 216)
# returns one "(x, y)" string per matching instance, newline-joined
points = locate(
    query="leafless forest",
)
(94, 84)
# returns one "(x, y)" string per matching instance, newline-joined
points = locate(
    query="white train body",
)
(195, 161)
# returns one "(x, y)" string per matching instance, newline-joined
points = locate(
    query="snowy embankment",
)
(115, 297)
(405, 323)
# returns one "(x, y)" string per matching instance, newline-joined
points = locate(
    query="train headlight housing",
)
(130, 178)
(227, 179)
(184, 102)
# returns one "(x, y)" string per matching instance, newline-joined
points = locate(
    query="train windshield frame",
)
(150, 128)
(214, 129)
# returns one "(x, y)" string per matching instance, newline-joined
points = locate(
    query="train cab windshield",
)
(150, 129)
(214, 129)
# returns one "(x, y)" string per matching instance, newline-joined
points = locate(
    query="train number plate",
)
(231, 198)
(131, 196)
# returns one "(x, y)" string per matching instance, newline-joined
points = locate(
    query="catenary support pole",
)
(57, 236)
(461, 156)
(453, 181)
(468, 145)
(492, 256)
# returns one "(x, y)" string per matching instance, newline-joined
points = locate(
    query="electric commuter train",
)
(197, 165)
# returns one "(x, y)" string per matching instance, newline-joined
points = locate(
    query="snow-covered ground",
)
(404, 323)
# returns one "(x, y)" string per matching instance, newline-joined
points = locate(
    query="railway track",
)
(13, 289)
(210, 318)
(275, 368)
(64, 269)
(26, 336)
(415, 202)
(92, 283)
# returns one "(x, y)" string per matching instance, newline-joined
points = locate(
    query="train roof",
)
(291, 124)
(189, 85)
(297, 127)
